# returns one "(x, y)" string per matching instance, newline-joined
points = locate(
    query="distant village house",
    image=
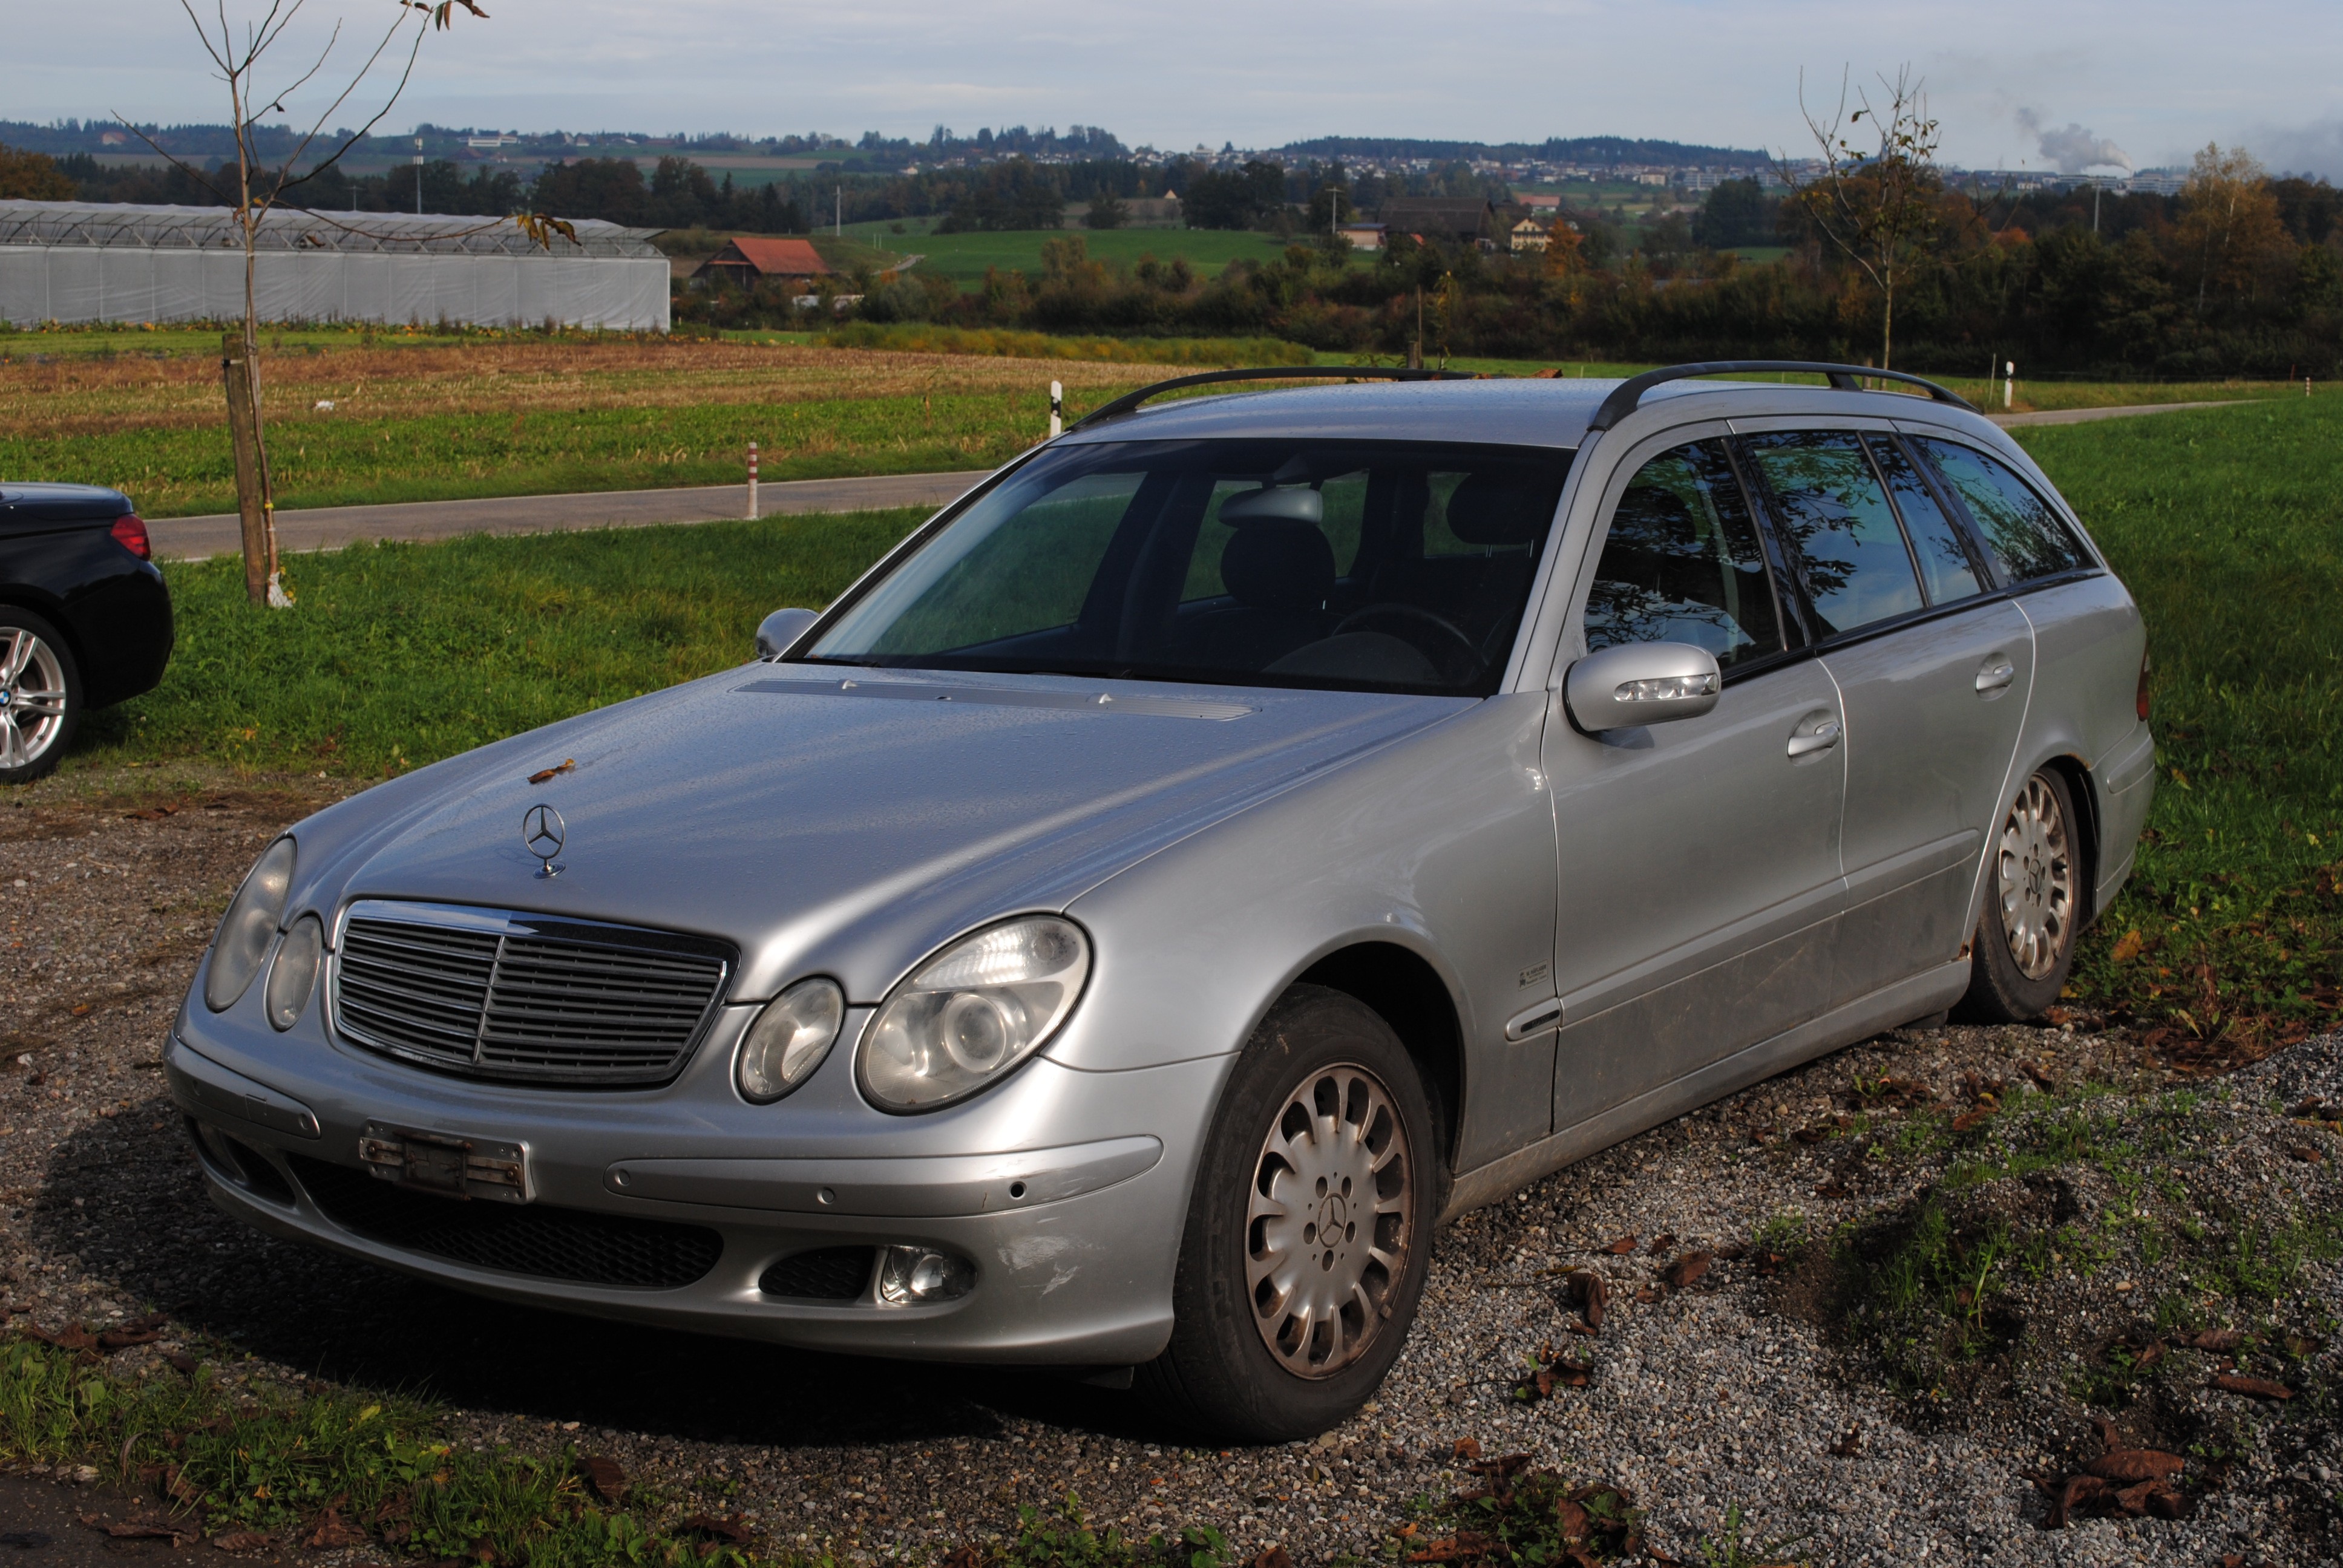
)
(744, 261)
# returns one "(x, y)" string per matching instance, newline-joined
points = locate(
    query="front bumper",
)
(1070, 1209)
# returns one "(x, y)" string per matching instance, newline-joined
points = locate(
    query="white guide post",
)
(1057, 410)
(2008, 383)
(752, 481)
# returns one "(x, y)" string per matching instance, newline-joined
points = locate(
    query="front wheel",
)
(40, 696)
(1309, 1230)
(2024, 943)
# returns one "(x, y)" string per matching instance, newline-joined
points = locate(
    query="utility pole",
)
(419, 177)
(2096, 188)
(839, 218)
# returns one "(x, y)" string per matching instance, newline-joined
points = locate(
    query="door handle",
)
(1805, 742)
(1995, 674)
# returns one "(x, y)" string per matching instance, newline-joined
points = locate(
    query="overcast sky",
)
(2155, 78)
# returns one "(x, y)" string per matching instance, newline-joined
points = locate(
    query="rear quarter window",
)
(2022, 532)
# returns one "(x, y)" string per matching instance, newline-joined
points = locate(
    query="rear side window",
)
(1832, 506)
(1945, 564)
(2021, 531)
(1682, 563)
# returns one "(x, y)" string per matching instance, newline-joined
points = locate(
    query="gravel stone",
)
(1729, 1392)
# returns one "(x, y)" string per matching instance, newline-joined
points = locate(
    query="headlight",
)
(789, 1039)
(245, 929)
(293, 974)
(973, 1011)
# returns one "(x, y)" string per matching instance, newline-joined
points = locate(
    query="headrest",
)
(1274, 504)
(1496, 507)
(1279, 566)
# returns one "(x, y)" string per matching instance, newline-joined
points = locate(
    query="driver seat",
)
(1281, 575)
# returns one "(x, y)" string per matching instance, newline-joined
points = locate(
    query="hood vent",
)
(523, 998)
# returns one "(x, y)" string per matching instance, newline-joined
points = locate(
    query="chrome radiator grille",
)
(521, 997)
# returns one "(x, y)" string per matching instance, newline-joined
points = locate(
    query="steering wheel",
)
(1393, 609)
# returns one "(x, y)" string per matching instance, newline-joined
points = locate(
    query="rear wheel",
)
(2024, 943)
(1309, 1231)
(40, 696)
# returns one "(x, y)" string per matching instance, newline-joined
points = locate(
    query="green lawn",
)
(398, 655)
(2227, 525)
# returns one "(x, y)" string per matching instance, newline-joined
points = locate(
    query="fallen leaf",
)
(2252, 1387)
(243, 1541)
(139, 1530)
(735, 1529)
(2127, 947)
(2042, 1080)
(1273, 1557)
(1647, 1295)
(1969, 1119)
(126, 1336)
(332, 1530)
(182, 1362)
(2134, 1464)
(2167, 1502)
(1622, 1247)
(1685, 1270)
(1833, 1188)
(1590, 1295)
(604, 1475)
(1468, 1448)
(2220, 1340)
(1849, 1446)
(2076, 1489)
(1662, 1243)
(563, 766)
(179, 1489)
(963, 1556)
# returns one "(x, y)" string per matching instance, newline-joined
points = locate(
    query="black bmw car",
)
(84, 619)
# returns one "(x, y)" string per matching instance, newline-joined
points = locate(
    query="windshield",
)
(1368, 566)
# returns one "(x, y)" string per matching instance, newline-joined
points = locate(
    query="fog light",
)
(293, 974)
(915, 1276)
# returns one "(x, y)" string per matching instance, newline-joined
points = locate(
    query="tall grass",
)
(2227, 526)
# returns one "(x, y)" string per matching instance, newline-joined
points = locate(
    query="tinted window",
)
(2023, 535)
(1682, 563)
(1945, 566)
(1845, 534)
(1380, 566)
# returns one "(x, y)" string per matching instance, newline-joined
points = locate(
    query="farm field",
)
(964, 257)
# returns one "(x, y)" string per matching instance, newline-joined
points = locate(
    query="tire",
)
(1323, 1106)
(2025, 942)
(40, 696)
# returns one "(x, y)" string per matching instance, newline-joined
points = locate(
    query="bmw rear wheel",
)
(40, 696)
(2025, 944)
(1309, 1232)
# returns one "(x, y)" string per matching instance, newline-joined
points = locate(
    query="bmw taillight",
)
(2142, 703)
(130, 532)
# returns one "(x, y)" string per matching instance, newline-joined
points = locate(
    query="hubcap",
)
(2038, 880)
(1329, 1221)
(32, 698)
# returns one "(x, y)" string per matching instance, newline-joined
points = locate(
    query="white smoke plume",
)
(2072, 148)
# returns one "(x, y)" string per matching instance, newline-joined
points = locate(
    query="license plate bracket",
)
(449, 1165)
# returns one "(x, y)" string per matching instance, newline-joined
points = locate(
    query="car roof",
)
(62, 502)
(1528, 411)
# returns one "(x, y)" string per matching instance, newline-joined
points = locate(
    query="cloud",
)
(2070, 146)
(2316, 148)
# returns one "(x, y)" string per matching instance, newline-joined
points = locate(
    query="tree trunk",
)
(251, 484)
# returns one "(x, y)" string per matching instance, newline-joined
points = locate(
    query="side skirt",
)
(1884, 1009)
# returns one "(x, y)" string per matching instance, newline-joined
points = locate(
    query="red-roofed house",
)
(744, 260)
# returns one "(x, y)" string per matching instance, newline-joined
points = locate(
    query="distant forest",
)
(2240, 274)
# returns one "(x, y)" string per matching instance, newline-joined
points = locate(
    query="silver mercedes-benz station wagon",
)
(1235, 837)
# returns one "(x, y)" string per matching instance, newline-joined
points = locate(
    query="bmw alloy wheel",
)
(32, 698)
(1329, 1221)
(2036, 881)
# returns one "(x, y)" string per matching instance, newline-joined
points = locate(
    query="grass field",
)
(2226, 524)
(964, 257)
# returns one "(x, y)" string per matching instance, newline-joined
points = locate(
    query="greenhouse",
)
(80, 261)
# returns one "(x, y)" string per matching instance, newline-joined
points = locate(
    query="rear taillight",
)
(2142, 701)
(130, 533)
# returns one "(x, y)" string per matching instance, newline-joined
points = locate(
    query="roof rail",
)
(1628, 395)
(1131, 400)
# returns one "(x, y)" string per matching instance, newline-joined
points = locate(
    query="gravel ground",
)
(1732, 1391)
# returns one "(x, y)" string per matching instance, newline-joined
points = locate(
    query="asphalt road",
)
(331, 528)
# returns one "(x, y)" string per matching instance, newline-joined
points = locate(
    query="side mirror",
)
(1639, 683)
(780, 628)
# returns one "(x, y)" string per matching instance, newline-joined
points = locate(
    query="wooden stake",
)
(244, 436)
